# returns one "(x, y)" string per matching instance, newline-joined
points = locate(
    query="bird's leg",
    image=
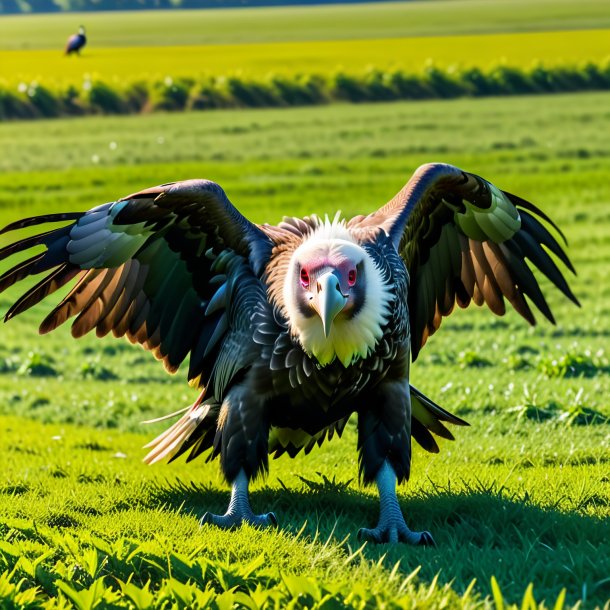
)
(239, 510)
(391, 526)
(242, 440)
(384, 440)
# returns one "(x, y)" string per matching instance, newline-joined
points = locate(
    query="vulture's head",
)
(336, 297)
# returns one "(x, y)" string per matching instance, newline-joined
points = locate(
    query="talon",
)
(227, 521)
(266, 520)
(368, 535)
(233, 520)
(393, 534)
(239, 510)
(426, 539)
(391, 526)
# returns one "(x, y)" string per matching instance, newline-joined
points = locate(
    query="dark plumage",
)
(290, 329)
(76, 42)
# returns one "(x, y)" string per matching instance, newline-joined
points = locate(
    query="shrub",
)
(94, 369)
(477, 83)
(595, 76)
(170, 94)
(136, 96)
(409, 86)
(46, 104)
(569, 365)
(348, 88)
(38, 365)
(209, 93)
(252, 94)
(35, 100)
(315, 88)
(103, 98)
(470, 359)
(13, 105)
(291, 91)
(71, 101)
(511, 81)
(443, 84)
(544, 80)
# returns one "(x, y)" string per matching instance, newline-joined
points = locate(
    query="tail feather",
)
(166, 445)
(423, 436)
(427, 417)
(175, 440)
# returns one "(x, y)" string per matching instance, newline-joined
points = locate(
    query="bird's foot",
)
(391, 526)
(394, 531)
(233, 519)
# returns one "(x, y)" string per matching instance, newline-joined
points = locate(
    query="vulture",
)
(288, 330)
(76, 42)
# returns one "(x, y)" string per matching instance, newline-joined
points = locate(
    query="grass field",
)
(354, 56)
(315, 39)
(522, 495)
(303, 23)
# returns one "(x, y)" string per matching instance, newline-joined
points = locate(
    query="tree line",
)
(54, 6)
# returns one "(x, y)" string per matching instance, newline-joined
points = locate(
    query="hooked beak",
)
(329, 301)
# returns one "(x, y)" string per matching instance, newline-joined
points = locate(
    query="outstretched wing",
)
(462, 240)
(174, 268)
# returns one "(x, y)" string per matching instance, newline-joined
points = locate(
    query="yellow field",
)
(119, 63)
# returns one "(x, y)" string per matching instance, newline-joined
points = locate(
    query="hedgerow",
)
(35, 100)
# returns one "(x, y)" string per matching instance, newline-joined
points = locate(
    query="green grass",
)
(314, 39)
(522, 495)
(302, 23)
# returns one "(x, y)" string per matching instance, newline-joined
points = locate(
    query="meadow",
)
(312, 40)
(521, 50)
(305, 23)
(522, 496)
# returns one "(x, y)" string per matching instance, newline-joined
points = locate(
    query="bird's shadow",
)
(479, 534)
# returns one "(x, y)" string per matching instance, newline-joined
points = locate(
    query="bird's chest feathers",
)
(349, 339)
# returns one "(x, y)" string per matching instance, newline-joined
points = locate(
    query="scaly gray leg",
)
(239, 510)
(391, 527)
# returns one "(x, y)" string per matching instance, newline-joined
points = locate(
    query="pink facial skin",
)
(344, 269)
(341, 266)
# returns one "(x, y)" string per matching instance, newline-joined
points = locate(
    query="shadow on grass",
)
(479, 533)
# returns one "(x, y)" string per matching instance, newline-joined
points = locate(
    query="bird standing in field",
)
(290, 329)
(76, 42)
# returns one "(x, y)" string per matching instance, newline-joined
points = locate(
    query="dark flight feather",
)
(177, 269)
(488, 261)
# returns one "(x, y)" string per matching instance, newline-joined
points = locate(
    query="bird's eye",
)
(304, 278)
(351, 277)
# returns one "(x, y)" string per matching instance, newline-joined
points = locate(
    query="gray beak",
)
(330, 300)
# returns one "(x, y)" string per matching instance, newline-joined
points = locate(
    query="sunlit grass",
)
(302, 23)
(305, 57)
(522, 495)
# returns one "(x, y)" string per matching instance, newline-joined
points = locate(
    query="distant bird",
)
(290, 329)
(76, 42)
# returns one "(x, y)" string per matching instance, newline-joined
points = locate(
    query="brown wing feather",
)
(149, 265)
(463, 240)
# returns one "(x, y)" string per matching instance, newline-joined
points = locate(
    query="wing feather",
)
(462, 240)
(149, 265)
(486, 280)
